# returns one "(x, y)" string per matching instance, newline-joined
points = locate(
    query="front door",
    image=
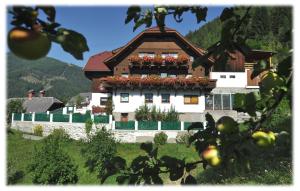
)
(124, 117)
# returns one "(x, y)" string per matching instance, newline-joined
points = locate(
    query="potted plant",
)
(158, 60)
(170, 60)
(182, 59)
(147, 60)
(134, 60)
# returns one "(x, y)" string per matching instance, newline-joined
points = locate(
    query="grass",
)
(275, 171)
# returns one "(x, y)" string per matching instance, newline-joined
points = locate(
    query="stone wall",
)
(77, 131)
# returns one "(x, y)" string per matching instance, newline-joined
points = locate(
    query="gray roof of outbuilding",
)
(38, 104)
(84, 95)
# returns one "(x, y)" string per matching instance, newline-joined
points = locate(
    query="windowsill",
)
(252, 86)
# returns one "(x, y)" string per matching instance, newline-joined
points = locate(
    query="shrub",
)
(38, 130)
(109, 106)
(60, 134)
(51, 165)
(183, 138)
(88, 126)
(160, 138)
(99, 150)
(13, 174)
(145, 113)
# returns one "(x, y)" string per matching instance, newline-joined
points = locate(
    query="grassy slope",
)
(272, 171)
(21, 150)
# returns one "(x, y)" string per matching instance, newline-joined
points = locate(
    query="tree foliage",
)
(14, 106)
(70, 40)
(52, 165)
(99, 150)
(224, 144)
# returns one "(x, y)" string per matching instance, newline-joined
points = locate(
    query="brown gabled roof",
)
(156, 30)
(96, 62)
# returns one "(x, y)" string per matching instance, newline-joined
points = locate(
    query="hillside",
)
(267, 30)
(58, 78)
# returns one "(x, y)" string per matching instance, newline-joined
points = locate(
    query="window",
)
(222, 76)
(163, 75)
(124, 98)
(209, 102)
(173, 54)
(149, 98)
(144, 75)
(190, 99)
(103, 100)
(172, 75)
(125, 75)
(226, 101)
(217, 102)
(150, 54)
(70, 108)
(191, 58)
(232, 76)
(165, 98)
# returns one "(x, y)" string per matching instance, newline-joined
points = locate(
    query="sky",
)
(105, 29)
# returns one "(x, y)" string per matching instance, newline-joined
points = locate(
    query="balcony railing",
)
(157, 82)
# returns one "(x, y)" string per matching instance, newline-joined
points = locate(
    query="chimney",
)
(42, 93)
(30, 94)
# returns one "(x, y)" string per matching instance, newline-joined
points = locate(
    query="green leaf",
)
(189, 180)
(72, 42)
(138, 163)
(132, 13)
(196, 125)
(250, 102)
(49, 11)
(175, 166)
(226, 14)
(200, 13)
(122, 179)
(259, 68)
(285, 67)
(210, 121)
(148, 147)
(239, 102)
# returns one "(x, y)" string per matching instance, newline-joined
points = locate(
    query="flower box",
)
(158, 60)
(147, 60)
(170, 60)
(134, 60)
(183, 59)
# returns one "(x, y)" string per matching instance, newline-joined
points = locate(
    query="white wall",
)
(240, 79)
(95, 100)
(136, 99)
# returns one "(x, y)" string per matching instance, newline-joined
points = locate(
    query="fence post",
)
(22, 117)
(113, 125)
(51, 117)
(92, 117)
(12, 117)
(70, 118)
(182, 125)
(33, 116)
(159, 125)
(110, 119)
(136, 125)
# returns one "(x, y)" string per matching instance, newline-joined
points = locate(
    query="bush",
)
(13, 174)
(38, 130)
(51, 165)
(160, 138)
(99, 150)
(60, 134)
(183, 138)
(145, 113)
(88, 126)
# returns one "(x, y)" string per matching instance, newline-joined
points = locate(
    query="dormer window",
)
(150, 54)
(171, 54)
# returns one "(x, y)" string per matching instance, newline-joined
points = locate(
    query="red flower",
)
(147, 59)
(170, 59)
(134, 59)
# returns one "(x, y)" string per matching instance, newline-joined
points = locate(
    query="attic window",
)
(150, 54)
(222, 76)
(172, 54)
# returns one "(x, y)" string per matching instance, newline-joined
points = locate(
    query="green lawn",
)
(275, 171)
(21, 151)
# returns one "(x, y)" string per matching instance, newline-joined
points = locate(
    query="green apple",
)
(215, 161)
(227, 125)
(210, 152)
(264, 139)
